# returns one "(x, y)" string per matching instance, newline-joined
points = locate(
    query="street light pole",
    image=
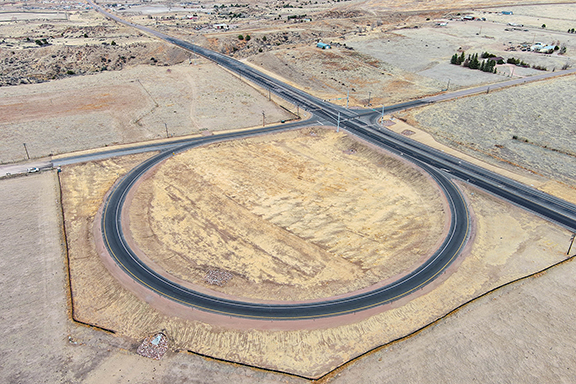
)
(166, 126)
(338, 127)
(263, 119)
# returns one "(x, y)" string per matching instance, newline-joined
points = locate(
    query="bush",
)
(248, 37)
(264, 38)
(70, 72)
(240, 37)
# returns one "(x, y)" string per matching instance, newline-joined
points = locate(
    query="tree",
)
(248, 37)
(474, 62)
(240, 37)
(543, 25)
(461, 58)
(454, 59)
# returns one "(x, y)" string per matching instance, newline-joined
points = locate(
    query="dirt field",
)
(508, 244)
(133, 105)
(301, 215)
(505, 333)
(521, 331)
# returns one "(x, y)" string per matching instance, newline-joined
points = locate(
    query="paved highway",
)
(439, 165)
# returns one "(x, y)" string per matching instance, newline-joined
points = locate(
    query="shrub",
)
(240, 37)
(248, 37)
(70, 72)
(113, 42)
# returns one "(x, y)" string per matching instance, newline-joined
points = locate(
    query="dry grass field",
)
(508, 244)
(133, 105)
(302, 215)
(528, 126)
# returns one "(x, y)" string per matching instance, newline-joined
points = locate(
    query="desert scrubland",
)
(283, 216)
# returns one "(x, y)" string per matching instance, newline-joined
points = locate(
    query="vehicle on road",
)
(33, 170)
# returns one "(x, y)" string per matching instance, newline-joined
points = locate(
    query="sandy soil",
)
(300, 215)
(528, 126)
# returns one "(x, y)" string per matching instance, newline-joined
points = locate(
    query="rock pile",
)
(218, 277)
(154, 346)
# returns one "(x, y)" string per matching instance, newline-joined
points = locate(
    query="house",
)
(323, 45)
(220, 26)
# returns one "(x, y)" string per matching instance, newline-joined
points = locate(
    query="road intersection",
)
(361, 123)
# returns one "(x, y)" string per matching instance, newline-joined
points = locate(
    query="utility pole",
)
(263, 119)
(347, 98)
(369, 95)
(166, 126)
(448, 85)
(268, 94)
(382, 114)
(338, 127)
(571, 243)
(26, 149)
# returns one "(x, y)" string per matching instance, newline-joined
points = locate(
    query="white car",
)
(33, 170)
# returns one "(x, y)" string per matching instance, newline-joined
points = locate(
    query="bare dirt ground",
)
(133, 105)
(523, 330)
(296, 216)
(501, 337)
(508, 244)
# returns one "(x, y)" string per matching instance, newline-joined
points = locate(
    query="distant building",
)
(547, 49)
(220, 26)
(323, 45)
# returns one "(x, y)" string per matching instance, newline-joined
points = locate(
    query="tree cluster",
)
(473, 62)
(517, 62)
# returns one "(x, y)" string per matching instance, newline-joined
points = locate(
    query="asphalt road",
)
(133, 266)
(363, 124)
